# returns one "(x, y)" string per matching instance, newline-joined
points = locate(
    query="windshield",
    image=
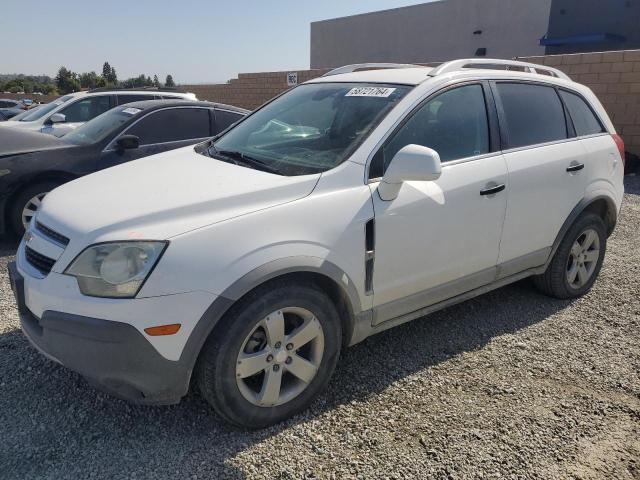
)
(102, 126)
(44, 109)
(310, 129)
(24, 113)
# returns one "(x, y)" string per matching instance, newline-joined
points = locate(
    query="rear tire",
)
(27, 203)
(577, 261)
(271, 355)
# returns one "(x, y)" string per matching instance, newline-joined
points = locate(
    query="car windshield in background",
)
(309, 129)
(100, 127)
(44, 109)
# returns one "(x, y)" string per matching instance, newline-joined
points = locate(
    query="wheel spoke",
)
(270, 392)
(305, 333)
(583, 275)
(302, 368)
(591, 256)
(275, 327)
(251, 363)
(590, 238)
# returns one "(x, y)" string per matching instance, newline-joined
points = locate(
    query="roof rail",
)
(456, 65)
(369, 66)
(124, 89)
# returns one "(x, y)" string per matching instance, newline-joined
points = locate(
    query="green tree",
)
(89, 80)
(169, 82)
(67, 81)
(156, 82)
(113, 78)
(106, 70)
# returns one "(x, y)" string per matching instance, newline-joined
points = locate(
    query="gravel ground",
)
(509, 385)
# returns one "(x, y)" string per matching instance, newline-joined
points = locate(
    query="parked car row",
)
(72, 110)
(32, 164)
(350, 204)
(10, 108)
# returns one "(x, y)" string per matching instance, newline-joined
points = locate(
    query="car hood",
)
(164, 195)
(16, 141)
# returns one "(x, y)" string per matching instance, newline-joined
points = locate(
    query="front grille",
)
(53, 235)
(38, 261)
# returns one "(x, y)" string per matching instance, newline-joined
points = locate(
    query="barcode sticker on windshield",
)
(370, 92)
(131, 110)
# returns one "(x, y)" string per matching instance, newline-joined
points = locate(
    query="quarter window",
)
(172, 125)
(86, 109)
(584, 120)
(224, 119)
(533, 114)
(453, 123)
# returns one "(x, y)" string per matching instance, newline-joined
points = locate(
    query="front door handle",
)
(492, 190)
(575, 167)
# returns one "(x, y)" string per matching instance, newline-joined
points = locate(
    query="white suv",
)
(348, 205)
(70, 111)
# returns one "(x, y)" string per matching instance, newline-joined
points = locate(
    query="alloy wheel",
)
(30, 208)
(583, 258)
(280, 357)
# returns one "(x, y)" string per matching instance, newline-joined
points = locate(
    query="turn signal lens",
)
(163, 329)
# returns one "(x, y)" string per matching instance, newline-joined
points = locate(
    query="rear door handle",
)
(575, 167)
(492, 190)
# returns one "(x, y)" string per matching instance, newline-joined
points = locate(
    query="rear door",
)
(224, 119)
(545, 162)
(160, 131)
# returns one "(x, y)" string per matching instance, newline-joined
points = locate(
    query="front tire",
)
(577, 261)
(26, 204)
(271, 355)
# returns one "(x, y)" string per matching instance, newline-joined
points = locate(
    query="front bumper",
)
(112, 355)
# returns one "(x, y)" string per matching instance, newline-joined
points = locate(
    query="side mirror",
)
(412, 162)
(127, 142)
(58, 118)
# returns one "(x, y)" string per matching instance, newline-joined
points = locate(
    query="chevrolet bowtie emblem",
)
(27, 237)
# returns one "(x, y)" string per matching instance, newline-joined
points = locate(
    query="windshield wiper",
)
(239, 156)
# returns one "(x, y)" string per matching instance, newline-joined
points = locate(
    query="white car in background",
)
(70, 111)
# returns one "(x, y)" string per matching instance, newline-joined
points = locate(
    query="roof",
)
(155, 104)
(405, 76)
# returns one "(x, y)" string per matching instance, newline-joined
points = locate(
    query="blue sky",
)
(194, 40)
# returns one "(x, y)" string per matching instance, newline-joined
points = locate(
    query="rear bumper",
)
(114, 356)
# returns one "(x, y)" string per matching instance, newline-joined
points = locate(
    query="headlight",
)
(115, 269)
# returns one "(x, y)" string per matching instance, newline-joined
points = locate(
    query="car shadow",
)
(49, 411)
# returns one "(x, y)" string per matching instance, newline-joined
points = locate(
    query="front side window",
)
(101, 127)
(453, 123)
(44, 109)
(584, 120)
(172, 125)
(533, 114)
(86, 109)
(310, 129)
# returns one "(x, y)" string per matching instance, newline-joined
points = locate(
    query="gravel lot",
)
(509, 385)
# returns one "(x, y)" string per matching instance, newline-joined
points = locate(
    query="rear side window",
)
(172, 125)
(532, 114)
(122, 99)
(87, 108)
(584, 120)
(453, 123)
(224, 119)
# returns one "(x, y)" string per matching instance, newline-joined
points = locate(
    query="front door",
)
(439, 239)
